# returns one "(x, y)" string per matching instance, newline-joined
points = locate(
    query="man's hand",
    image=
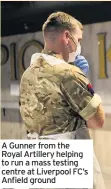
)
(82, 63)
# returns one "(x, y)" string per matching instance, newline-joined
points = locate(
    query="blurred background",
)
(21, 37)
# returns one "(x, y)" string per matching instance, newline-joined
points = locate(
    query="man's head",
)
(62, 34)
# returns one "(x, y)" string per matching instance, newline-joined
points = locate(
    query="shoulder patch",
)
(90, 88)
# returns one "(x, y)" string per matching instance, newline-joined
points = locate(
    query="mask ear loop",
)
(73, 41)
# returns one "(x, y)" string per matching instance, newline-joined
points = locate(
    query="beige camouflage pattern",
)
(54, 95)
(54, 99)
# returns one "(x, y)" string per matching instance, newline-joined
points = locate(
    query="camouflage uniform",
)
(55, 98)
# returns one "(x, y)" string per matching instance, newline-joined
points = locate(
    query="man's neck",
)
(52, 52)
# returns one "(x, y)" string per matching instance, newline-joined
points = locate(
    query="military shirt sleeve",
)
(79, 94)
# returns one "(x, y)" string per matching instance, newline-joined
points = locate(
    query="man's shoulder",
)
(50, 59)
(74, 73)
(50, 63)
(53, 65)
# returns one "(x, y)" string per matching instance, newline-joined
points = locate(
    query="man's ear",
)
(66, 35)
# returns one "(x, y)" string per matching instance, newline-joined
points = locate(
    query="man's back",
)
(45, 106)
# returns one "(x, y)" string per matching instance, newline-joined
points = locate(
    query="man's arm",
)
(97, 121)
(82, 99)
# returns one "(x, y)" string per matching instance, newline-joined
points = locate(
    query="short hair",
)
(60, 21)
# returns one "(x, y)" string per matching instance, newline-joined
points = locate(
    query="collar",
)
(52, 54)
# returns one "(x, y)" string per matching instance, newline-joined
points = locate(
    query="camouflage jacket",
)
(55, 97)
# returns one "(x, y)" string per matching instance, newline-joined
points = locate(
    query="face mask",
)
(73, 54)
(78, 51)
(71, 57)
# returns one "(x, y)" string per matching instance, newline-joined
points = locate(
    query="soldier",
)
(56, 98)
